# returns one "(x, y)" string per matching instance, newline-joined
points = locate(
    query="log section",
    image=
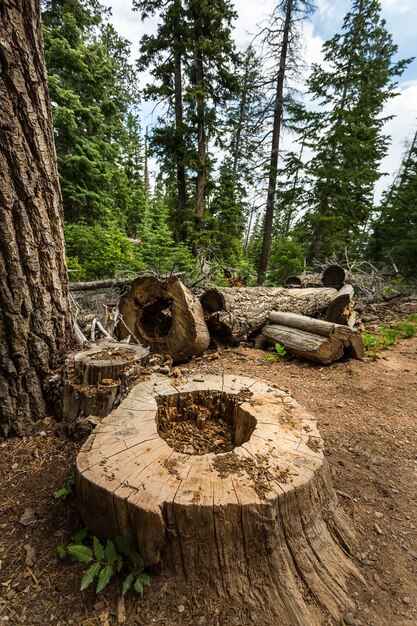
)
(311, 339)
(96, 378)
(164, 315)
(259, 524)
(234, 314)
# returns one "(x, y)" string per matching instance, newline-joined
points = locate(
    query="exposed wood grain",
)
(256, 524)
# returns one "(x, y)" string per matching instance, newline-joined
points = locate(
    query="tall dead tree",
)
(278, 39)
(35, 322)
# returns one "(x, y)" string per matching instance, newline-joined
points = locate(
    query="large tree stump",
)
(254, 518)
(164, 315)
(97, 377)
(234, 314)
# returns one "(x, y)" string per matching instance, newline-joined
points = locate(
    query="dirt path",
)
(367, 414)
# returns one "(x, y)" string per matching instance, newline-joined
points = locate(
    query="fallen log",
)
(311, 339)
(234, 314)
(259, 524)
(342, 305)
(99, 284)
(334, 276)
(305, 280)
(164, 315)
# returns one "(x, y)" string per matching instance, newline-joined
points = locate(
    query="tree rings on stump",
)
(165, 315)
(224, 482)
(96, 377)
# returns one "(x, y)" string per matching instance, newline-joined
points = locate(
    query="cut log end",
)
(248, 510)
(164, 314)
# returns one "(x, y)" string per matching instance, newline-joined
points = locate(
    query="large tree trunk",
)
(201, 140)
(255, 520)
(35, 324)
(234, 314)
(179, 147)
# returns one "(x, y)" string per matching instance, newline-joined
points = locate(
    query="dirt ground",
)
(366, 412)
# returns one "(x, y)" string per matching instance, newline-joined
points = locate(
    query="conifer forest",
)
(209, 186)
(208, 313)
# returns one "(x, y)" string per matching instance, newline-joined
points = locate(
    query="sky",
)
(400, 16)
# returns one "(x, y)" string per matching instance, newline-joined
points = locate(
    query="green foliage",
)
(395, 230)
(280, 352)
(287, 257)
(66, 490)
(105, 561)
(101, 252)
(93, 88)
(387, 336)
(345, 131)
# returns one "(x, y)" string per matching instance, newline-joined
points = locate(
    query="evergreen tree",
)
(345, 133)
(394, 239)
(92, 88)
(226, 209)
(279, 39)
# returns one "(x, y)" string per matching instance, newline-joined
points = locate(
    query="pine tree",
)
(345, 133)
(394, 239)
(279, 40)
(92, 88)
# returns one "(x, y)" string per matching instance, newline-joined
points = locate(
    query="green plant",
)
(65, 491)
(280, 350)
(387, 336)
(105, 561)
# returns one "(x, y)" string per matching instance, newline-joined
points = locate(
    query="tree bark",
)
(179, 148)
(259, 524)
(35, 323)
(276, 132)
(233, 314)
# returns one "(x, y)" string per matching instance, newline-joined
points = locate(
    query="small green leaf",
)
(110, 552)
(123, 545)
(119, 562)
(98, 549)
(145, 579)
(63, 493)
(127, 583)
(80, 553)
(81, 535)
(137, 561)
(62, 551)
(139, 586)
(104, 578)
(89, 576)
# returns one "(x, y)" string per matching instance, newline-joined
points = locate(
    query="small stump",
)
(223, 481)
(97, 377)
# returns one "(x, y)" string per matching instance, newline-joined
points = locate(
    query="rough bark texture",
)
(234, 314)
(164, 315)
(342, 305)
(311, 339)
(98, 377)
(260, 524)
(35, 322)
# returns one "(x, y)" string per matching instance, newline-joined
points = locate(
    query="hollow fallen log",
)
(256, 521)
(164, 315)
(234, 314)
(97, 378)
(334, 276)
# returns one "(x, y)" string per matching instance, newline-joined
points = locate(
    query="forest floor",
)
(366, 412)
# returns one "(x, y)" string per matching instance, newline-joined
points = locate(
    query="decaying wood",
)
(260, 524)
(234, 314)
(311, 339)
(164, 315)
(334, 276)
(99, 284)
(96, 378)
(342, 305)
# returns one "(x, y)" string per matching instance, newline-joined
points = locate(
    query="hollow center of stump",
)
(156, 318)
(203, 422)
